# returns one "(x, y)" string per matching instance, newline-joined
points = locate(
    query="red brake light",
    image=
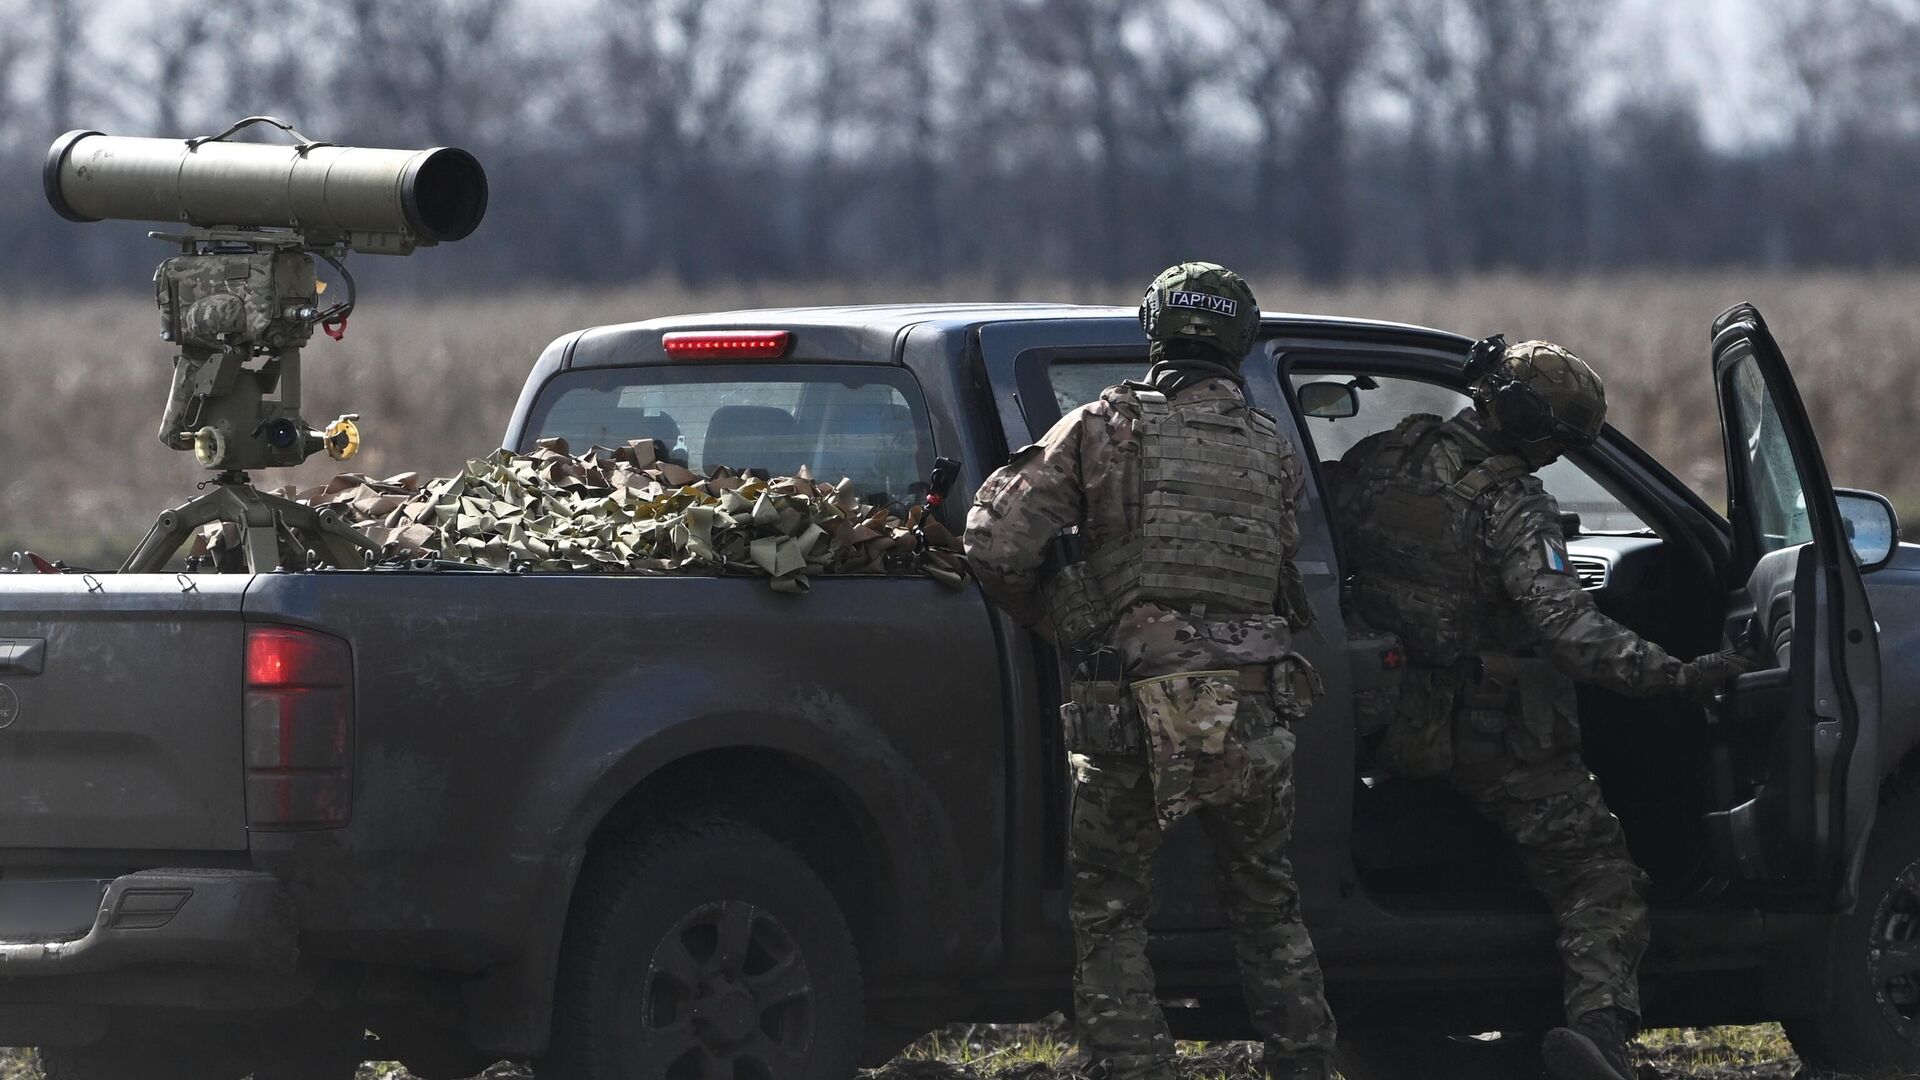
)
(298, 729)
(727, 344)
(280, 657)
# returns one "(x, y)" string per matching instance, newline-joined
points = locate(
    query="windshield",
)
(860, 422)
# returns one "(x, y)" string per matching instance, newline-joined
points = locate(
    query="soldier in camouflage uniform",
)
(1184, 498)
(1454, 545)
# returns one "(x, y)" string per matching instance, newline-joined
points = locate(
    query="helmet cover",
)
(1539, 392)
(1201, 301)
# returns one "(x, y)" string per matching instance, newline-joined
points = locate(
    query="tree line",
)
(1011, 140)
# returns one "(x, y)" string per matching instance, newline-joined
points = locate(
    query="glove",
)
(1702, 675)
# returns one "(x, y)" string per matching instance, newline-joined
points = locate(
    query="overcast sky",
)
(1714, 48)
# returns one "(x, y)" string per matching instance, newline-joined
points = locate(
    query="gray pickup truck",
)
(687, 827)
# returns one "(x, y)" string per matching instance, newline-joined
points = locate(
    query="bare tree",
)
(673, 72)
(63, 33)
(1521, 67)
(1423, 69)
(923, 140)
(1080, 51)
(175, 39)
(1329, 42)
(261, 69)
(429, 70)
(1066, 140)
(829, 45)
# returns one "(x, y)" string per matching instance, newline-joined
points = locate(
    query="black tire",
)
(1872, 1024)
(1420, 1055)
(705, 950)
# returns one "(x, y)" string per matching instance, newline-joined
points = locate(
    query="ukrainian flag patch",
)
(1553, 554)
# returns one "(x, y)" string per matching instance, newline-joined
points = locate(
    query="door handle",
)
(23, 656)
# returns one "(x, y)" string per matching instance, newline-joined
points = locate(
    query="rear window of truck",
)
(864, 423)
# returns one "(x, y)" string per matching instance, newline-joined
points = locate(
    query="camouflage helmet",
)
(1204, 302)
(1539, 393)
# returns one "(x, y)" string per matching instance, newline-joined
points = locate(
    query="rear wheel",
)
(1872, 1024)
(703, 952)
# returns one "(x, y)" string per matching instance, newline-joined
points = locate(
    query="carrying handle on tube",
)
(304, 144)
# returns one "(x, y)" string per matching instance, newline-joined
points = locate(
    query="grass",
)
(1042, 1052)
(1760, 1052)
(435, 380)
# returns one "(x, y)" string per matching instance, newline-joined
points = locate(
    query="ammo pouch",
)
(1099, 716)
(1076, 607)
(1294, 604)
(1507, 705)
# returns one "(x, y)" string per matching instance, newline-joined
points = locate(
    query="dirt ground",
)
(1040, 1052)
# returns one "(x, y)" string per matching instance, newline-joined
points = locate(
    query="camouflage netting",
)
(625, 511)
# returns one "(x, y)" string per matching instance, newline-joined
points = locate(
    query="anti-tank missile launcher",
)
(244, 296)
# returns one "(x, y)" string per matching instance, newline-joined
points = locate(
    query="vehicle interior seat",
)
(752, 437)
(661, 427)
(875, 447)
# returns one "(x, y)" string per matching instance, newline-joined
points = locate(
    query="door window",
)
(1777, 504)
(1394, 399)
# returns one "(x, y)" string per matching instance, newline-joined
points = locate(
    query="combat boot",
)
(1594, 1048)
(1304, 1066)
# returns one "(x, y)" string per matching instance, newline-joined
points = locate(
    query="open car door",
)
(1796, 777)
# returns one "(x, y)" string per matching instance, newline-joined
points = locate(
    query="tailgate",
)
(120, 710)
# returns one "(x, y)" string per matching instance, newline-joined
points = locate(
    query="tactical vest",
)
(1417, 545)
(1213, 521)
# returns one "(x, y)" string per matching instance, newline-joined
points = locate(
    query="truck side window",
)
(1395, 399)
(1077, 382)
(864, 423)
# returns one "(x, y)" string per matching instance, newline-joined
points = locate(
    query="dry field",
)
(82, 380)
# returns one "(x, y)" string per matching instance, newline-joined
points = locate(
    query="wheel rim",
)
(1893, 954)
(726, 995)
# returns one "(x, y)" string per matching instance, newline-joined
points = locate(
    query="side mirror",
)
(1329, 400)
(1872, 527)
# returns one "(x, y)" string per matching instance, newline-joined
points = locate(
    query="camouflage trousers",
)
(1114, 833)
(1576, 855)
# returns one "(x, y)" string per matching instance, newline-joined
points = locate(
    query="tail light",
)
(299, 729)
(726, 344)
